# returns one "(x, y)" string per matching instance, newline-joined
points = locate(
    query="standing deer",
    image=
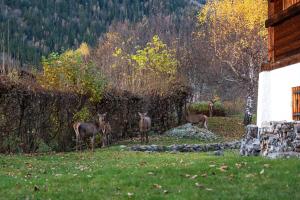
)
(106, 130)
(197, 118)
(145, 126)
(90, 130)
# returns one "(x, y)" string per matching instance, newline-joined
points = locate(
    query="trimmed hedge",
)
(35, 120)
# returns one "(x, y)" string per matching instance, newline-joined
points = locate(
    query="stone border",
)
(187, 147)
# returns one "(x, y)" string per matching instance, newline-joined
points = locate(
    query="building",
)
(279, 79)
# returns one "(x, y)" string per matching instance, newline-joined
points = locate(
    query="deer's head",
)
(143, 115)
(102, 118)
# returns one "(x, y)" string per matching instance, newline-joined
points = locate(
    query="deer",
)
(197, 118)
(90, 130)
(145, 126)
(105, 129)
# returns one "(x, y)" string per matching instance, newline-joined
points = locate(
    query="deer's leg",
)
(147, 139)
(104, 140)
(205, 124)
(107, 140)
(143, 138)
(76, 142)
(92, 142)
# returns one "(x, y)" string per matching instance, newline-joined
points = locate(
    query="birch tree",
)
(238, 36)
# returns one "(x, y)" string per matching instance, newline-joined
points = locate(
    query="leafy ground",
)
(116, 174)
(227, 127)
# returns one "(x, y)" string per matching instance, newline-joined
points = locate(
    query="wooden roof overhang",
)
(283, 15)
(284, 35)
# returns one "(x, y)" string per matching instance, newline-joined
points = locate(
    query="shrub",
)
(199, 107)
(202, 107)
(43, 147)
(83, 115)
(219, 109)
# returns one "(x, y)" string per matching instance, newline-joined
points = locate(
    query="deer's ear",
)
(146, 113)
(140, 114)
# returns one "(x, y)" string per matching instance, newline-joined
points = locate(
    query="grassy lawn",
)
(116, 174)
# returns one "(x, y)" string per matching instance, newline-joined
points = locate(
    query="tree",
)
(156, 63)
(235, 29)
(151, 67)
(72, 71)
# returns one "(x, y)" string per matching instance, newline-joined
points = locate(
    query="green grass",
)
(112, 174)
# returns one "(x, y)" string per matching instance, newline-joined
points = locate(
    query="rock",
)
(252, 131)
(219, 153)
(192, 132)
(277, 155)
(250, 147)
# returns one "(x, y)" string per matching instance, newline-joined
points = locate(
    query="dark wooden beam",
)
(283, 15)
(281, 63)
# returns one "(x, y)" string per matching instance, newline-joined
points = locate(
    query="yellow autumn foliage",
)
(71, 72)
(236, 32)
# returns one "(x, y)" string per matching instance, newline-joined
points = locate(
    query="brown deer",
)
(106, 130)
(197, 118)
(90, 130)
(145, 126)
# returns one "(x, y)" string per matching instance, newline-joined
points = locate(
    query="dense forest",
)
(31, 28)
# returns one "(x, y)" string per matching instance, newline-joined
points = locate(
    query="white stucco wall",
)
(275, 93)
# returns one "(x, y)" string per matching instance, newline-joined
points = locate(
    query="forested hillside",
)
(31, 28)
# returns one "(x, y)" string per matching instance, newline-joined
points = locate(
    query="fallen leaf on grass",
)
(262, 171)
(230, 177)
(199, 185)
(58, 174)
(36, 188)
(266, 165)
(208, 189)
(157, 186)
(130, 194)
(204, 175)
(223, 168)
(238, 165)
(212, 165)
(187, 175)
(166, 191)
(150, 173)
(195, 176)
(250, 175)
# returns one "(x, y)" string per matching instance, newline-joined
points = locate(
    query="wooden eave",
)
(283, 15)
(281, 63)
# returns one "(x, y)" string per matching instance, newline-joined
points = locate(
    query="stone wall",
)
(274, 139)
